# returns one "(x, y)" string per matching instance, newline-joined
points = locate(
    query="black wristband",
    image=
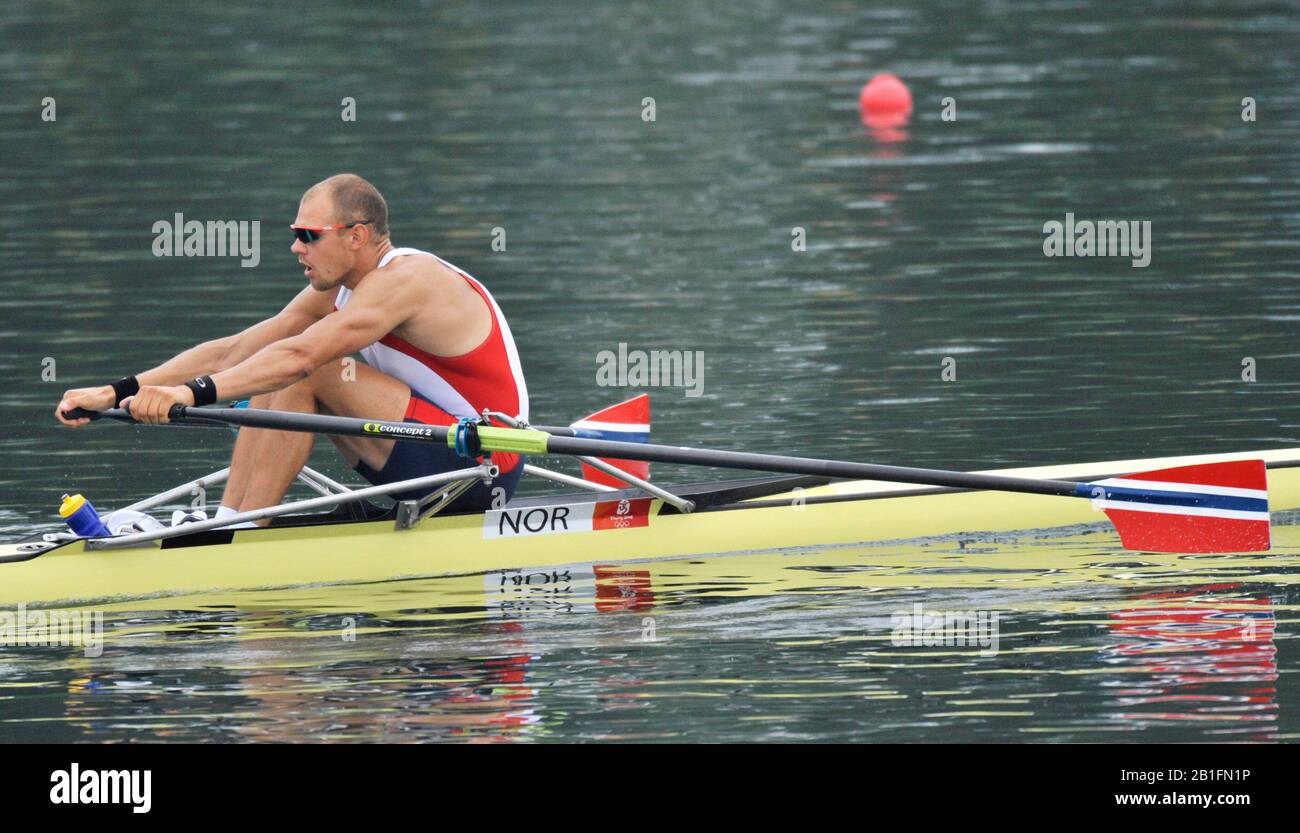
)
(205, 392)
(124, 387)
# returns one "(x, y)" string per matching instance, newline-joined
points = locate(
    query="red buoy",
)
(885, 98)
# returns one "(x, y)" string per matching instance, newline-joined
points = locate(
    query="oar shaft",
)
(315, 423)
(806, 465)
(537, 442)
(221, 417)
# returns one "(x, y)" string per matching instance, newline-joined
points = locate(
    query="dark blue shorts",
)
(414, 459)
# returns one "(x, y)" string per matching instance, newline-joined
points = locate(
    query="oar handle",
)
(177, 414)
(119, 414)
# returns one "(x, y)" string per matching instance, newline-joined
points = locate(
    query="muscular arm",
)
(213, 356)
(383, 301)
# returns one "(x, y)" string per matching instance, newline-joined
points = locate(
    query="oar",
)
(222, 418)
(1210, 507)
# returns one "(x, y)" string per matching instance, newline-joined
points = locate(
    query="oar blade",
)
(628, 421)
(1206, 508)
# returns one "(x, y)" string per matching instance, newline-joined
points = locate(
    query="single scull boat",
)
(1201, 503)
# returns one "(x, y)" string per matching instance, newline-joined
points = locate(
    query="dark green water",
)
(676, 234)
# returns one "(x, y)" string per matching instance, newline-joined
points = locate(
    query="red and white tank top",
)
(489, 376)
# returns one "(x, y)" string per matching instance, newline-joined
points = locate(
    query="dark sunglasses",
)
(310, 234)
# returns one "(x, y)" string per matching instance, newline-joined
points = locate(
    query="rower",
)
(437, 348)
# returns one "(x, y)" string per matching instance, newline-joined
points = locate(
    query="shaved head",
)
(354, 200)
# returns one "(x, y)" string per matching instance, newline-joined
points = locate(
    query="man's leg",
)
(265, 462)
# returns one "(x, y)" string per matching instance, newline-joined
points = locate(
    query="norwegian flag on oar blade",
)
(628, 422)
(1212, 507)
